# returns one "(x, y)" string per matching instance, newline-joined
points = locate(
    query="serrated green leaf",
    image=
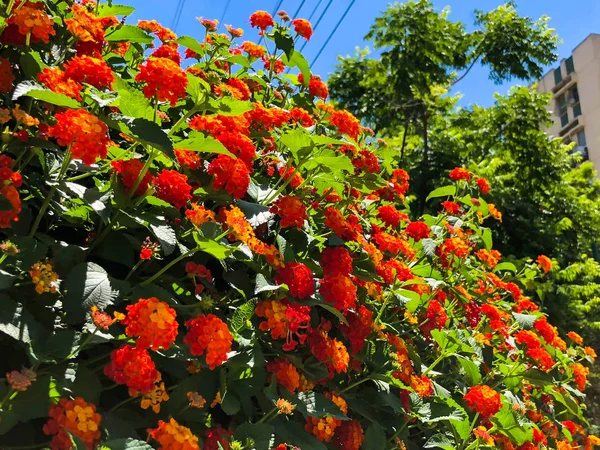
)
(313, 404)
(127, 444)
(374, 438)
(445, 191)
(87, 285)
(203, 144)
(213, 248)
(38, 92)
(128, 33)
(105, 10)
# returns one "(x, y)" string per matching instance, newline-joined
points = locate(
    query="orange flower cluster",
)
(291, 210)
(235, 87)
(325, 427)
(580, 374)
(208, 335)
(103, 320)
(253, 50)
(396, 186)
(85, 26)
(6, 75)
(484, 185)
(155, 397)
(172, 436)
(87, 69)
(490, 257)
(164, 80)
(243, 232)
(303, 28)
(285, 373)
(229, 173)
(153, 322)
(317, 88)
(31, 19)
(298, 278)
(83, 133)
(162, 33)
(133, 367)
(452, 247)
(460, 173)
(44, 277)
(331, 352)
(284, 320)
(20, 381)
(484, 400)
(168, 51)
(57, 81)
(172, 187)
(130, 170)
(345, 123)
(199, 215)
(76, 417)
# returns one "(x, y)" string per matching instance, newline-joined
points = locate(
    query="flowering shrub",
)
(213, 257)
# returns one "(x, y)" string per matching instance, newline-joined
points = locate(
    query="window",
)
(562, 110)
(569, 65)
(557, 76)
(582, 145)
(573, 97)
(581, 141)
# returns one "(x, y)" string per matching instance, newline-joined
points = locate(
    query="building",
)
(575, 89)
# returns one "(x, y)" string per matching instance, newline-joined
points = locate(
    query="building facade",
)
(575, 89)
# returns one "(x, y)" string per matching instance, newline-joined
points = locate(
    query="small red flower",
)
(484, 400)
(460, 173)
(298, 278)
(452, 207)
(545, 263)
(209, 336)
(172, 187)
(261, 20)
(417, 230)
(291, 210)
(303, 28)
(316, 87)
(132, 366)
(484, 185)
(153, 322)
(164, 80)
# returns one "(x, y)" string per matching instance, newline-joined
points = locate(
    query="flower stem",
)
(168, 266)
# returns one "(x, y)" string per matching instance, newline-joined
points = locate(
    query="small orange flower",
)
(76, 417)
(188, 158)
(489, 257)
(483, 399)
(20, 381)
(154, 398)
(6, 75)
(84, 133)
(172, 436)
(285, 373)
(133, 366)
(44, 278)
(164, 80)
(103, 320)
(494, 212)
(208, 335)
(317, 88)
(303, 28)
(284, 320)
(196, 400)
(153, 322)
(325, 427)
(545, 263)
(84, 25)
(254, 50)
(460, 173)
(345, 123)
(291, 210)
(198, 215)
(31, 19)
(580, 374)
(284, 406)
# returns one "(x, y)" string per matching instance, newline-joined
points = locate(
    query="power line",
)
(225, 11)
(299, 8)
(314, 10)
(333, 32)
(277, 7)
(177, 16)
(318, 21)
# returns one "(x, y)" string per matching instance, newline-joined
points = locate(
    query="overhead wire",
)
(225, 11)
(295, 16)
(314, 10)
(178, 13)
(277, 7)
(333, 32)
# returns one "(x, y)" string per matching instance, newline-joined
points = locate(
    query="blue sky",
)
(573, 20)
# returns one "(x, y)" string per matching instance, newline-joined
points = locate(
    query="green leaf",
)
(37, 91)
(486, 236)
(105, 10)
(212, 247)
(471, 370)
(334, 311)
(166, 237)
(284, 42)
(242, 314)
(293, 433)
(5, 204)
(203, 144)
(445, 191)
(429, 246)
(506, 266)
(126, 444)
(132, 102)
(6, 279)
(229, 106)
(34, 402)
(329, 163)
(87, 285)
(296, 140)
(313, 404)
(18, 323)
(440, 441)
(506, 422)
(230, 403)
(264, 285)
(260, 433)
(129, 33)
(374, 438)
(145, 131)
(526, 321)
(299, 61)
(191, 43)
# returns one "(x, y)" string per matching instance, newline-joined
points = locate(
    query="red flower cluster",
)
(452, 207)
(164, 80)
(484, 400)
(389, 215)
(316, 87)
(172, 187)
(331, 352)
(460, 173)
(261, 20)
(417, 230)
(153, 322)
(132, 366)
(30, 18)
(484, 185)
(76, 417)
(285, 373)
(229, 173)
(345, 123)
(284, 320)
(545, 263)
(339, 290)
(299, 279)
(130, 170)
(360, 325)
(83, 132)
(209, 336)
(291, 210)
(6, 75)
(87, 69)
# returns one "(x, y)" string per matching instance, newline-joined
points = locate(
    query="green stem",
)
(168, 266)
(124, 402)
(397, 433)
(183, 118)
(11, 3)
(465, 441)
(87, 339)
(353, 385)
(435, 363)
(132, 271)
(269, 415)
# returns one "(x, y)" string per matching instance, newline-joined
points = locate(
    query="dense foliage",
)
(214, 258)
